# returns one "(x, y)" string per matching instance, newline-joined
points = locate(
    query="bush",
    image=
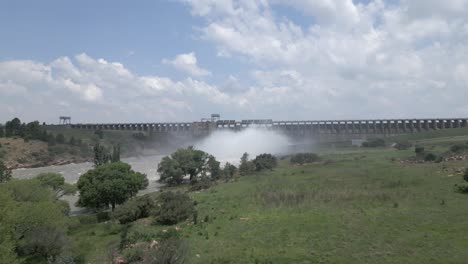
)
(60, 139)
(137, 208)
(137, 234)
(430, 157)
(103, 217)
(87, 219)
(264, 161)
(174, 208)
(462, 188)
(134, 254)
(374, 143)
(200, 185)
(43, 241)
(169, 249)
(419, 150)
(304, 158)
(458, 148)
(465, 175)
(403, 145)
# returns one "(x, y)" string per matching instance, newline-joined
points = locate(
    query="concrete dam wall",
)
(336, 129)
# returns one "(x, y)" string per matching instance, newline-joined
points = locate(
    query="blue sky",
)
(182, 60)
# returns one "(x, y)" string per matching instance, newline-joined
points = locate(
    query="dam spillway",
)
(323, 128)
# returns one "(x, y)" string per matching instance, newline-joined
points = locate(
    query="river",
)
(71, 172)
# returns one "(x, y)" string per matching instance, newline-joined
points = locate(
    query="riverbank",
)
(18, 153)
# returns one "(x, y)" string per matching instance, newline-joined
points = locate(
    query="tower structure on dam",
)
(321, 128)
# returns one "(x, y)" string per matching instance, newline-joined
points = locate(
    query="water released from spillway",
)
(229, 145)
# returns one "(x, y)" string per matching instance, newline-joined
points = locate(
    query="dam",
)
(318, 128)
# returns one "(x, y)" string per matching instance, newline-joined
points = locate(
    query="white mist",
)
(229, 145)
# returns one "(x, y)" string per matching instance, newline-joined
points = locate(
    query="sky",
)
(182, 60)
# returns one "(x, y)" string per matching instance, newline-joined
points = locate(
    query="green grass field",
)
(357, 207)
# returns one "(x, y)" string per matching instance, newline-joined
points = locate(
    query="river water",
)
(71, 172)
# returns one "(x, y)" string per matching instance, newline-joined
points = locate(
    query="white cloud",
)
(367, 59)
(187, 62)
(95, 89)
(353, 59)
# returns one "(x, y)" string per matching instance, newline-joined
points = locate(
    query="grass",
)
(365, 210)
(359, 206)
(95, 242)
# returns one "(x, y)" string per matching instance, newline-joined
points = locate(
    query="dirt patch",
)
(18, 153)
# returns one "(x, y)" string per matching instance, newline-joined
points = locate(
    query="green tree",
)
(170, 171)
(13, 127)
(229, 170)
(109, 185)
(56, 182)
(265, 162)
(101, 155)
(214, 168)
(5, 173)
(2, 131)
(33, 130)
(115, 153)
(187, 162)
(26, 207)
(246, 167)
(7, 243)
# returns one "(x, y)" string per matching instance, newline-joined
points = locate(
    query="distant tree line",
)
(34, 131)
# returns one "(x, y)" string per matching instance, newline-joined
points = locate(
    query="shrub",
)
(60, 139)
(43, 241)
(174, 207)
(458, 148)
(374, 143)
(265, 161)
(200, 185)
(403, 145)
(462, 188)
(87, 219)
(103, 217)
(304, 158)
(134, 254)
(169, 249)
(132, 210)
(419, 150)
(430, 157)
(465, 175)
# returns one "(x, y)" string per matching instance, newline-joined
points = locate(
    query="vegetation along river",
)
(71, 172)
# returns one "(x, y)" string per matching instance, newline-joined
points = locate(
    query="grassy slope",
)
(367, 210)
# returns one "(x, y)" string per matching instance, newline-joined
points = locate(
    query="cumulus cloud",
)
(97, 90)
(187, 63)
(356, 59)
(352, 59)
